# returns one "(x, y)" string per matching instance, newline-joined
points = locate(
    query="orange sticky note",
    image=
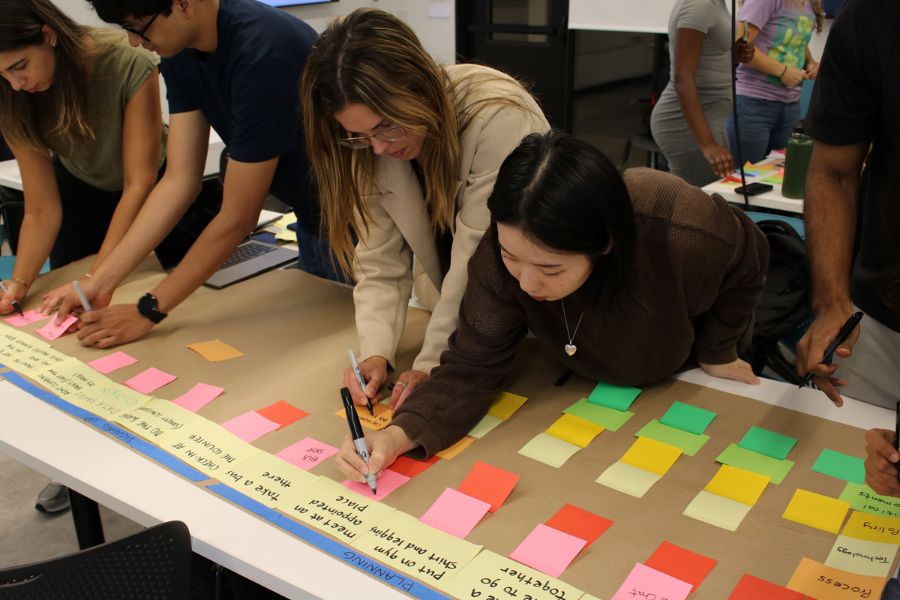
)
(215, 350)
(681, 564)
(411, 467)
(382, 418)
(283, 413)
(580, 523)
(827, 583)
(489, 484)
(454, 450)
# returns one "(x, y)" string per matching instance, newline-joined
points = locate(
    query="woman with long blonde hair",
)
(405, 153)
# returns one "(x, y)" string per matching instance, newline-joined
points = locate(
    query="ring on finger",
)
(401, 383)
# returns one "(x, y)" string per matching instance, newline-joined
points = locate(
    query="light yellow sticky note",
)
(215, 350)
(628, 479)
(288, 218)
(484, 426)
(737, 484)
(490, 572)
(717, 510)
(75, 382)
(266, 478)
(574, 430)
(454, 450)
(380, 420)
(651, 455)
(862, 556)
(506, 404)
(827, 583)
(816, 510)
(549, 450)
(24, 353)
(873, 528)
(406, 544)
(208, 448)
(157, 419)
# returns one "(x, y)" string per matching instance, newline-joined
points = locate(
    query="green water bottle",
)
(796, 161)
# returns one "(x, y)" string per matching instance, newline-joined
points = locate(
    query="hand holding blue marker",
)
(356, 433)
(360, 380)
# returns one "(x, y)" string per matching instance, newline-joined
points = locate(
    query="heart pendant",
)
(570, 349)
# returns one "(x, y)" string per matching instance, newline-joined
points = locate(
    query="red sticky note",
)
(412, 467)
(282, 413)
(487, 482)
(754, 588)
(580, 523)
(681, 564)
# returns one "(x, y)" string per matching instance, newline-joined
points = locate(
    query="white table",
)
(771, 199)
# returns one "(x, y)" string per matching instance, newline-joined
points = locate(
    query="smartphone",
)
(753, 189)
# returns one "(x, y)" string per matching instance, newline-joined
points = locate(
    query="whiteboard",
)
(648, 16)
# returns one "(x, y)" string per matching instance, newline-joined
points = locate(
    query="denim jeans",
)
(765, 125)
(891, 590)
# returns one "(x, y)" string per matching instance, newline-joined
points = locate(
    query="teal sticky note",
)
(840, 466)
(690, 443)
(613, 396)
(601, 415)
(688, 418)
(775, 469)
(767, 442)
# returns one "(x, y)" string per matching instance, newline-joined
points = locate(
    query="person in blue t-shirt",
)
(234, 65)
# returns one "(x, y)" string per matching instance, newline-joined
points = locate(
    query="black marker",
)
(356, 432)
(842, 334)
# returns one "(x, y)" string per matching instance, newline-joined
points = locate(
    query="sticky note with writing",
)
(380, 420)
(827, 583)
(307, 453)
(645, 582)
(489, 571)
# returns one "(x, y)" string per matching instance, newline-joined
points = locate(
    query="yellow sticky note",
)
(549, 450)
(575, 430)
(864, 526)
(266, 478)
(738, 484)
(380, 420)
(816, 510)
(454, 450)
(209, 448)
(651, 455)
(157, 419)
(862, 556)
(717, 510)
(816, 580)
(628, 479)
(506, 404)
(215, 350)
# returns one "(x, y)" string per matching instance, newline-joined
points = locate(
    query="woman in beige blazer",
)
(405, 154)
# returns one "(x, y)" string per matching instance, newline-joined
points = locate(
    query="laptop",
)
(248, 259)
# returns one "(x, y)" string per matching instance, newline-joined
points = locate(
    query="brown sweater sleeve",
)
(444, 408)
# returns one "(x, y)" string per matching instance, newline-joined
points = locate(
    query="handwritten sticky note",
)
(380, 420)
(744, 486)
(387, 483)
(215, 350)
(651, 455)
(773, 468)
(645, 582)
(111, 362)
(207, 447)
(307, 453)
(412, 467)
(548, 550)
(863, 498)
(754, 588)
(198, 396)
(816, 510)
(767, 442)
(612, 396)
(862, 556)
(283, 413)
(690, 443)
(827, 583)
(250, 426)
(717, 510)
(609, 418)
(490, 571)
(580, 523)
(628, 479)
(456, 449)
(505, 405)
(157, 419)
(26, 318)
(549, 450)
(150, 380)
(574, 430)
(489, 484)
(455, 513)
(51, 331)
(265, 478)
(841, 466)
(873, 528)
(681, 563)
(25, 354)
(687, 417)
(77, 383)
(485, 426)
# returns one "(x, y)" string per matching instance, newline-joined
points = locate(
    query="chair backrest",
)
(155, 563)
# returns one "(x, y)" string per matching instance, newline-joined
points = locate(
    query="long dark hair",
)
(567, 196)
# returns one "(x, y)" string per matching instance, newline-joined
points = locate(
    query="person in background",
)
(405, 151)
(234, 65)
(769, 85)
(622, 280)
(688, 121)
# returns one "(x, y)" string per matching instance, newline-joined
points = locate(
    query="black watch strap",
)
(148, 306)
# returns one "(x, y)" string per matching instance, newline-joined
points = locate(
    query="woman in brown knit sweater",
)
(624, 280)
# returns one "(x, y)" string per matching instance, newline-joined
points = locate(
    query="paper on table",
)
(548, 550)
(307, 453)
(609, 418)
(549, 450)
(51, 331)
(111, 362)
(411, 467)
(613, 396)
(265, 478)
(717, 510)
(215, 350)
(250, 426)
(489, 484)
(816, 510)
(158, 419)
(490, 571)
(283, 413)
(26, 318)
(380, 420)
(874, 528)
(645, 582)
(690, 443)
(456, 449)
(841, 466)
(150, 380)
(485, 426)
(628, 479)
(198, 396)
(455, 513)
(387, 483)
(651, 455)
(744, 486)
(827, 583)
(862, 556)
(773, 468)
(26, 354)
(688, 417)
(575, 430)
(580, 523)
(505, 405)
(754, 588)
(863, 498)
(207, 447)
(77, 383)
(767, 442)
(681, 563)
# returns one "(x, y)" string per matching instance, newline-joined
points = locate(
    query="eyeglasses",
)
(389, 133)
(140, 32)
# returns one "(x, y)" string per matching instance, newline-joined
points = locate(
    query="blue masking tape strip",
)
(139, 444)
(326, 544)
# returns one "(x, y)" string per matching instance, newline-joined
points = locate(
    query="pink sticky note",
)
(51, 330)
(307, 453)
(198, 396)
(111, 362)
(250, 426)
(387, 483)
(644, 582)
(548, 550)
(455, 513)
(149, 380)
(29, 316)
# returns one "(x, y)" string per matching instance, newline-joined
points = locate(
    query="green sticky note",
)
(841, 466)
(767, 442)
(776, 470)
(864, 499)
(613, 396)
(688, 418)
(601, 415)
(690, 443)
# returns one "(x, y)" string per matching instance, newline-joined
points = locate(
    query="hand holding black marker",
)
(362, 382)
(839, 339)
(15, 303)
(356, 433)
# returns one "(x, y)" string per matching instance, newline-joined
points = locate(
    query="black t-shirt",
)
(249, 91)
(856, 99)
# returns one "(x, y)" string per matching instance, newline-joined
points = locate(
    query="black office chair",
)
(155, 563)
